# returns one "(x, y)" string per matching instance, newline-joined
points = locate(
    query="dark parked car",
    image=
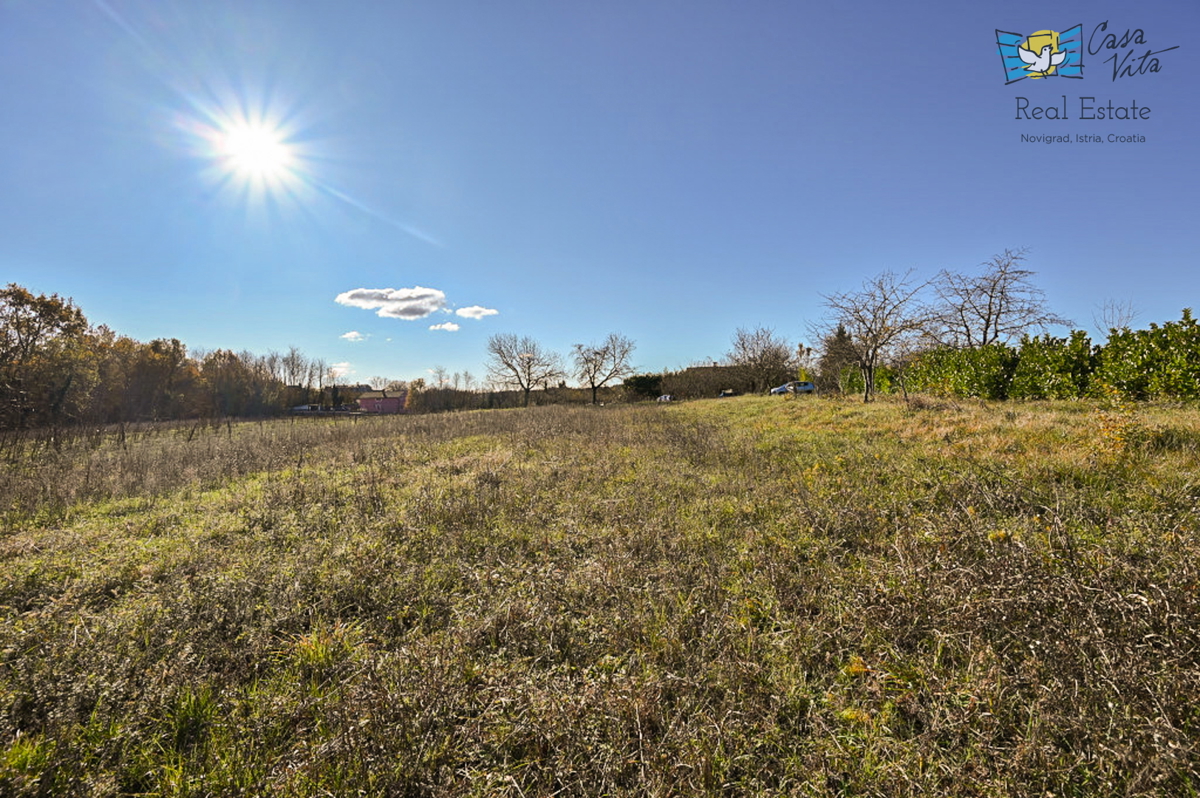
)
(794, 387)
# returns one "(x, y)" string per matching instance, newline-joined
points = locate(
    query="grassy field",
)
(737, 597)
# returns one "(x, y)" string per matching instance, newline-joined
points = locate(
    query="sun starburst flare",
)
(256, 152)
(255, 156)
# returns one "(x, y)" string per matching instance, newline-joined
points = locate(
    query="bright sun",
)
(256, 152)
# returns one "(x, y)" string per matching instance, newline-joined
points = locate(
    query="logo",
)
(1044, 54)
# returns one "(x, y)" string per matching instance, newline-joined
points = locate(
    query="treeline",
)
(56, 369)
(975, 339)
(424, 398)
(1161, 362)
(704, 382)
(758, 359)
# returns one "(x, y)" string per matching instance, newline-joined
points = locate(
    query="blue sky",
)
(667, 170)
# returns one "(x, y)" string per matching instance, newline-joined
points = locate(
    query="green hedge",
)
(1161, 362)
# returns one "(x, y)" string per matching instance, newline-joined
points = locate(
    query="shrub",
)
(1054, 368)
(985, 372)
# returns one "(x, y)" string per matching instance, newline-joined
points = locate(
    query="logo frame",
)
(1069, 43)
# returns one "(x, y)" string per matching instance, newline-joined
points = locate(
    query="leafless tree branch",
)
(596, 365)
(521, 363)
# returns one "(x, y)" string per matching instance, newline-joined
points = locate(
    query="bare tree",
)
(296, 369)
(597, 365)
(881, 321)
(272, 363)
(318, 372)
(761, 358)
(1114, 314)
(997, 306)
(521, 363)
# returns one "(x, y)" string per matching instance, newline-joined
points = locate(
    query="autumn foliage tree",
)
(40, 341)
(57, 370)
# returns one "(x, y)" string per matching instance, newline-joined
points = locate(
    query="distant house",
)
(382, 402)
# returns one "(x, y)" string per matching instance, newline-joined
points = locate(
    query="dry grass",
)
(744, 597)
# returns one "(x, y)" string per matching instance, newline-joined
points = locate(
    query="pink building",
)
(381, 402)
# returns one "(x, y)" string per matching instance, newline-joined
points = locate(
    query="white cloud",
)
(409, 304)
(395, 303)
(342, 369)
(476, 312)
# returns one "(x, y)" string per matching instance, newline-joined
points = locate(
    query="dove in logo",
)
(1042, 54)
(1041, 62)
